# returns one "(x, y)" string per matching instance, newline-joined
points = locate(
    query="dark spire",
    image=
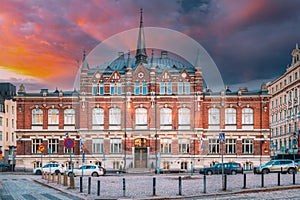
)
(84, 64)
(141, 55)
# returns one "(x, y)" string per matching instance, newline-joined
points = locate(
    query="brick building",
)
(144, 112)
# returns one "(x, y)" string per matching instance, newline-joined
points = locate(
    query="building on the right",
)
(284, 113)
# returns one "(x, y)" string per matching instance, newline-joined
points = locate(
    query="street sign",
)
(69, 143)
(41, 148)
(222, 137)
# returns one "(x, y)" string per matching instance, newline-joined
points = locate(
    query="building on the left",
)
(7, 123)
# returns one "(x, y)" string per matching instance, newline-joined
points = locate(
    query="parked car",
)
(88, 170)
(273, 166)
(51, 167)
(5, 167)
(229, 168)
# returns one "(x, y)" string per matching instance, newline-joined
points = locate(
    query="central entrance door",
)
(140, 153)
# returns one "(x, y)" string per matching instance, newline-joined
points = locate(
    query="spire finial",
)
(141, 55)
(296, 45)
(83, 54)
(141, 19)
(152, 55)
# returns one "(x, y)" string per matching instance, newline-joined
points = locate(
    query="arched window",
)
(53, 115)
(214, 116)
(69, 116)
(37, 116)
(141, 117)
(165, 117)
(247, 116)
(230, 116)
(184, 116)
(98, 116)
(114, 117)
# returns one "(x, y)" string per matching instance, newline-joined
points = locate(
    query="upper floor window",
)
(35, 144)
(115, 88)
(165, 117)
(230, 116)
(114, 116)
(98, 116)
(214, 116)
(94, 89)
(166, 88)
(247, 116)
(101, 88)
(141, 116)
(296, 75)
(140, 88)
(69, 116)
(53, 116)
(184, 116)
(37, 116)
(1, 121)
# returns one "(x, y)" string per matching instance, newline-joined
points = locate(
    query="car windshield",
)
(270, 162)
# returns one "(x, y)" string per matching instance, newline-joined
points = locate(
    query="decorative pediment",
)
(183, 76)
(165, 76)
(97, 77)
(115, 77)
(141, 74)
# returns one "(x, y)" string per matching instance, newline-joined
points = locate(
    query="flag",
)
(201, 142)
(67, 135)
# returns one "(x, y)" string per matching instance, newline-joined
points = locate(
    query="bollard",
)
(278, 179)
(72, 183)
(42, 175)
(154, 186)
(225, 182)
(59, 178)
(98, 188)
(179, 185)
(245, 180)
(89, 185)
(49, 177)
(80, 184)
(262, 180)
(294, 177)
(124, 187)
(204, 183)
(53, 177)
(65, 180)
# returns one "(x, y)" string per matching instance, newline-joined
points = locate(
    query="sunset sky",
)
(42, 41)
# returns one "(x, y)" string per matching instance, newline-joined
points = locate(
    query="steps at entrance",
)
(139, 170)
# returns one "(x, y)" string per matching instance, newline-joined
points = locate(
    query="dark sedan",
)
(229, 168)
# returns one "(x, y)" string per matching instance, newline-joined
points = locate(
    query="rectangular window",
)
(35, 143)
(112, 88)
(247, 146)
(0, 121)
(101, 91)
(68, 151)
(187, 88)
(12, 123)
(169, 86)
(144, 88)
(162, 88)
(98, 146)
(165, 146)
(0, 135)
(6, 136)
(213, 146)
(230, 146)
(180, 88)
(95, 89)
(6, 122)
(115, 145)
(53, 145)
(137, 89)
(183, 146)
(119, 85)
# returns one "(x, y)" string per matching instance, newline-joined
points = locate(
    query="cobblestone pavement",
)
(23, 187)
(141, 187)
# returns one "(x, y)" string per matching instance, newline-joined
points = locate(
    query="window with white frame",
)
(68, 151)
(140, 88)
(115, 145)
(35, 144)
(230, 146)
(230, 116)
(115, 88)
(183, 145)
(214, 116)
(114, 117)
(247, 116)
(162, 87)
(213, 146)
(137, 88)
(141, 117)
(53, 145)
(94, 89)
(98, 116)
(165, 117)
(1, 121)
(247, 146)
(101, 88)
(69, 117)
(180, 88)
(98, 145)
(37, 116)
(187, 87)
(144, 88)
(184, 117)
(165, 146)
(53, 115)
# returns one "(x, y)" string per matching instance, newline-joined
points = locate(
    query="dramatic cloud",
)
(250, 40)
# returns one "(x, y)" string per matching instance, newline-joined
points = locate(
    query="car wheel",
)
(233, 172)
(38, 172)
(94, 174)
(291, 170)
(265, 171)
(209, 172)
(57, 172)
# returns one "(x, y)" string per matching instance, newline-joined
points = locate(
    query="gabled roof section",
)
(115, 77)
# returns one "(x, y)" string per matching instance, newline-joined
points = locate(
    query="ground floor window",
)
(247, 146)
(116, 165)
(166, 165)
(213, 146)
(165, 145)
(183, 146)
(115, 145)
(248, 166)
(183, 165)
(53, 146)
(230, 146)
(35, 145)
